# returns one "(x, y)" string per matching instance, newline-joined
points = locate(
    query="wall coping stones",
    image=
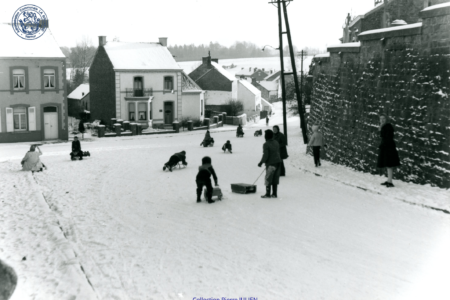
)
(405, 30)
(435, 11)
(345, 47)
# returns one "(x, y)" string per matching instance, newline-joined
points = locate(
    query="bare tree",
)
(81, 58)
(236, 106)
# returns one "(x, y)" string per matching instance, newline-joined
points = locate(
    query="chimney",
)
(250, 68)
(206, 60)
(263, 69)
(163, 41)
(101, 41)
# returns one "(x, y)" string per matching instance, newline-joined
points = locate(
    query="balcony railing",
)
(130, 92)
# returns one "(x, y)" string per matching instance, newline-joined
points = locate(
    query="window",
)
(138, 87)
(168, 83)
(20, 118)
(201, 108)
(49, 79)
(132, 111)
(19, 79)
(142, 111)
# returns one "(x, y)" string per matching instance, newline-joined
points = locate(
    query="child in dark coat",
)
(175, 159)
(227, 146)
(76, 149)
(204, 179)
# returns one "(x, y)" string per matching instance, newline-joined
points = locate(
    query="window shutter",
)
(32, 118)
(9, 120)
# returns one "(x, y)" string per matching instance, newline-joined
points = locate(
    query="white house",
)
(142, 83)
(248, 94)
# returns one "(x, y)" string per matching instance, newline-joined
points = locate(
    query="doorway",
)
(50, 123)
(168, 112)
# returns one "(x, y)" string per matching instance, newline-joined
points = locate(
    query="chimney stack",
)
(163, 41)
(101, 41)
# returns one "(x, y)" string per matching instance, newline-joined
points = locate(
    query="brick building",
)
(33, 100)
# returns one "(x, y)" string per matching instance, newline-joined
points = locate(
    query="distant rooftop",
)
(80, 92)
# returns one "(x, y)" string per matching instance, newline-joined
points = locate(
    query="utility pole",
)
(302, 54)
(279, 5)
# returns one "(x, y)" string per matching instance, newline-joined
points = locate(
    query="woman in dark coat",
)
(388, 155)
(281, 139)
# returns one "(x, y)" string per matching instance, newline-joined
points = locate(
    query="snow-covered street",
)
(116, 226)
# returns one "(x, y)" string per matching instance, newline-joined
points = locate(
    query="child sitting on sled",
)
(227, 146)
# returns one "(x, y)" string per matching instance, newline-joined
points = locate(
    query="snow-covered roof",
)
(140, 56)
(187, 84)
(269, 85)
(245, 72)
(223, 71)
(14, 46)
(250, 87)
(415, 25)
(273, 76)
(437, 6)
(345, 45)
(80, 92)
(322, 55)
(266, 103)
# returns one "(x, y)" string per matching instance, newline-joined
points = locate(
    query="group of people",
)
(388, 157)
(32, 162)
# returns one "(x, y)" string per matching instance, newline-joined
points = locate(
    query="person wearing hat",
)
(76, 149)
(174, 160)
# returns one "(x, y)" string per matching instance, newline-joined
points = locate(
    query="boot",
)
(267, 195)
(275, 190)
(198, 199)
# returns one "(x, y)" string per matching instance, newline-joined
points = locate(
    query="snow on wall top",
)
(14, 46)
(345, 45)
(250, 87)
(140, 56)
(415, 25)
(78, 92)
(323, 55)
(437, 6)
(223, 71)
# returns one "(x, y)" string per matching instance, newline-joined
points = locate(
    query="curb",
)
(378, 193)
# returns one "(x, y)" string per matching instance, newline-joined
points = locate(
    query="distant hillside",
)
(237, 50)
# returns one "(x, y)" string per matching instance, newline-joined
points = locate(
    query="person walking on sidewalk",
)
(317, 140)
(271, 157)
(387, 156)
(281, 139)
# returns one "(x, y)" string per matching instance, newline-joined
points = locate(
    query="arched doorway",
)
(50, 122)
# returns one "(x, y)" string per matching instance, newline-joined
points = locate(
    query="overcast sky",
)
(314, 23)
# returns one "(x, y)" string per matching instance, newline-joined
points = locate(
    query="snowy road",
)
(139, 234)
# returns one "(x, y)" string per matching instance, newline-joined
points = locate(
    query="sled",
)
(76, 157)
(179, 165)
(243, 188)
(216, 192)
